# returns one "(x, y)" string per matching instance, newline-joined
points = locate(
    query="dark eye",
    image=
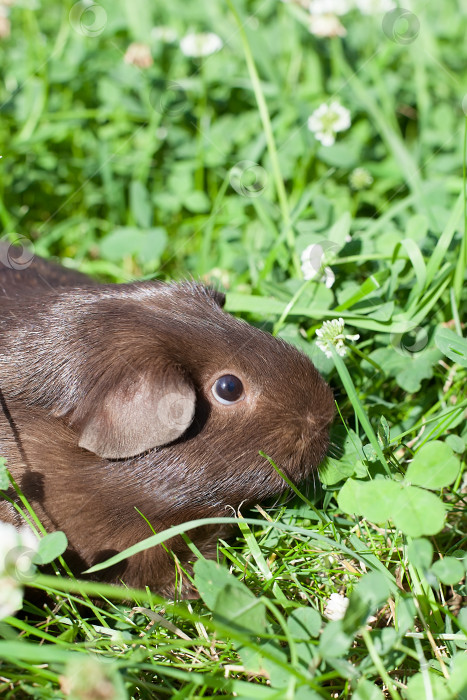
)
(228, 389)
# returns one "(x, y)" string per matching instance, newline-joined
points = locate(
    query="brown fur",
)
(89, 365)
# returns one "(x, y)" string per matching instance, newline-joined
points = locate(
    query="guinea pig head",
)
(167, 371)
(161, 371)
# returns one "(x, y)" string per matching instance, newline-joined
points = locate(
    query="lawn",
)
(309, 160)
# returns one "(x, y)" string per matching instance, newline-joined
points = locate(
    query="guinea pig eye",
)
(228, 389)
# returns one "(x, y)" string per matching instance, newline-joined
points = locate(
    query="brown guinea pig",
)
(144, 398)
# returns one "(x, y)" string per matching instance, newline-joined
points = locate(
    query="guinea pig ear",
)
(136, 416)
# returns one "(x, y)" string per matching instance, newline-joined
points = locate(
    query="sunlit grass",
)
(207, 167)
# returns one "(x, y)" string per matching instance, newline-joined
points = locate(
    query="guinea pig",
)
(128, 404)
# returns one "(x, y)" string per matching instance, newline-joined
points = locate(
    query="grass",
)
(206, 168)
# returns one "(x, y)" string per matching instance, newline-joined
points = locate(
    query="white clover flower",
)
(90, 677)
(332, 333)
(13, 540)
(167, 35)
(326, 26)
(312, 265)
(336, 607)
(329, 277)
(303, 3)
(5, 26)
(11, 596)
(198, 45)
(17, 548)
(360, 178)
(138, 55)
(374, 7)
(162, 133)
(327, 120)
(329, 7)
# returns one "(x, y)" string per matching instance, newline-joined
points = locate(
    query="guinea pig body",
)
(145, 397)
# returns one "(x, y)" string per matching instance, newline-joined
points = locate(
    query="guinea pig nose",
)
(315, 427)
(318, 421)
